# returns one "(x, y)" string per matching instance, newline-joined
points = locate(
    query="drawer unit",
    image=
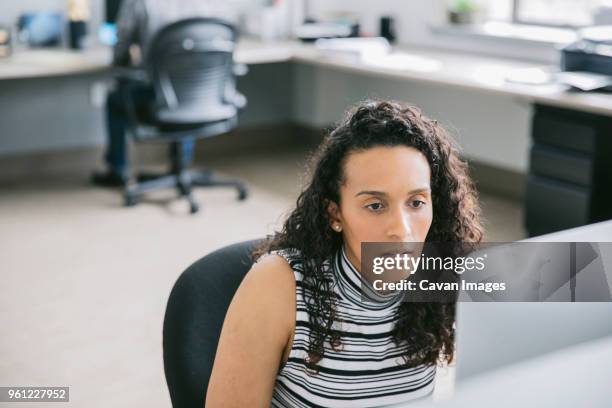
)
(564, 133)
(553, 205)
(570, 170)
(562, 165)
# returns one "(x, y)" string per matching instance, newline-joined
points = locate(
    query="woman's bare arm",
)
(256, 331)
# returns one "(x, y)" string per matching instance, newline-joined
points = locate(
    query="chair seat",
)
(195, 115)
(167, 132)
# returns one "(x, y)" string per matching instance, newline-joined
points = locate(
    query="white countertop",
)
(35, 63)
(466, 71)
(462, 70)
(32, 63)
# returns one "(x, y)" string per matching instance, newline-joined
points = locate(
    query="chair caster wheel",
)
(130, 200)
(194, 208)
(242, 193)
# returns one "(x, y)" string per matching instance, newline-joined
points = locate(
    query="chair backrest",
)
(194, 317)
(190, 64)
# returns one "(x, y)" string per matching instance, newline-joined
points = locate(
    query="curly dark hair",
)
(427, 327)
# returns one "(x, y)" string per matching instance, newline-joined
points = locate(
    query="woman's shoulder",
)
(292, 257)
(274, 270)
(267, 290)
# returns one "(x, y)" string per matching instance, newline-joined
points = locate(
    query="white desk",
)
(465, 71)
(25, 64)
(471, 72)
(38, 63)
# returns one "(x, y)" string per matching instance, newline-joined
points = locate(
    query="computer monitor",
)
(492, 335)
(112, 10)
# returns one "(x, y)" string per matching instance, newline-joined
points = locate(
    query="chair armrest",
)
(232, 95)
(240, 69)
(237, 99)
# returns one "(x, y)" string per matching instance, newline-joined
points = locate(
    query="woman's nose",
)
(400, 228)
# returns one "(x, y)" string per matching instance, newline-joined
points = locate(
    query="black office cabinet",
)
(570, 170)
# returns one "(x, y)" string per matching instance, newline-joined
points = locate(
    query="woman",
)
(298, 331)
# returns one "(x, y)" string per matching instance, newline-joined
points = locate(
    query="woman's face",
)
(386, 197)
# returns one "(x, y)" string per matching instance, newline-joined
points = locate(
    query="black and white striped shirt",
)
(367, 371)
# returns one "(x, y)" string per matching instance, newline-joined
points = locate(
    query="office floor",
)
(85, 280)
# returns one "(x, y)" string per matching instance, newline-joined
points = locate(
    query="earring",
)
(337, 227)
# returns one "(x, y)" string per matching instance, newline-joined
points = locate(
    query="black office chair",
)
(194, 316)
(190, 66)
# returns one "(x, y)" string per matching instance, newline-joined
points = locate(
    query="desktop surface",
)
(48, 62)
(460, 70)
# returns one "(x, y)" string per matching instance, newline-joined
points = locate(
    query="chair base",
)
(183, 181)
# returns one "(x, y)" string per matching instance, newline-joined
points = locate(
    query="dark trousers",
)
(116, 156)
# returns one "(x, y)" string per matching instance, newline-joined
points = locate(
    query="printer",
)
(592, 52)
(587, 63)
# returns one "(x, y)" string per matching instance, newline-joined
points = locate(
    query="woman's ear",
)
(333, 210)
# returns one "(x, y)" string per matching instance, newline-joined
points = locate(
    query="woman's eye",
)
(374, 206)
(418, 203)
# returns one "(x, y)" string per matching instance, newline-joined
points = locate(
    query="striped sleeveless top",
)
(367, 369)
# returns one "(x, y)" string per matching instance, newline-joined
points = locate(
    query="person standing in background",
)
(137, 23)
